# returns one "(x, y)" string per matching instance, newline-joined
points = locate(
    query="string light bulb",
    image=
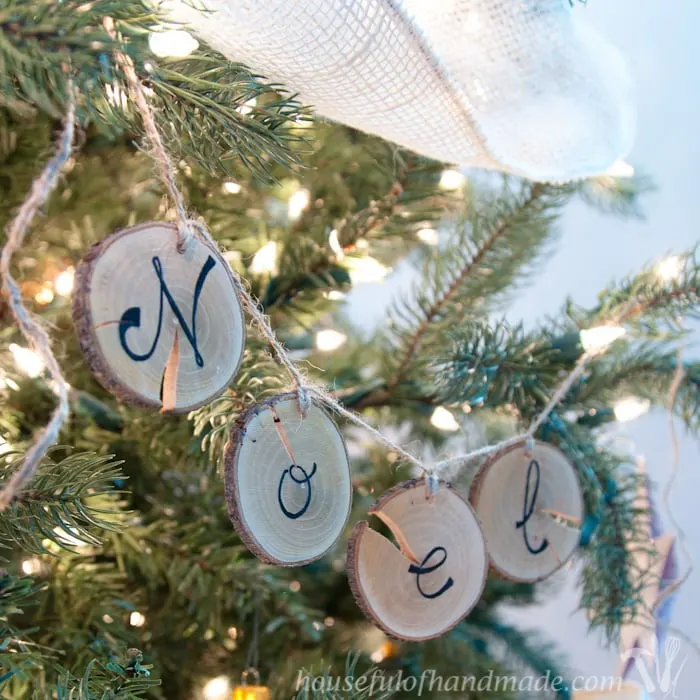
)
(329, 339)
(31, 566)
(231, 187)
(428, 236)
(599, 338)
(297, 203)
(27, 360)
(366, 270)
(630, 408)
(176, 43)
(265, 260)
(63, 284)
(44, 296)
(137, 619)
(670, 268)
(620, 168)
(442, 419)
(334, 244)
(217, 688)
(451, 179)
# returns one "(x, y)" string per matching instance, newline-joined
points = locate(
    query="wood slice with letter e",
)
(288, 484)
(437, 574)
(530, 507)
(158, 327)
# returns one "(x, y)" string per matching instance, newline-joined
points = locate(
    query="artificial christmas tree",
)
(124, 576)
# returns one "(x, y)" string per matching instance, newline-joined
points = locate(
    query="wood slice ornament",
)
(288, 485)
(158, 327)
(530, 506)
(426, 586)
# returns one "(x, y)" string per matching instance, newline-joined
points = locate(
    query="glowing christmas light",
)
(265, 260)
(31, 566)
(297, 203)
(217, 688)
(335, 295)
(328, 340)
(442, 419)
(428, 235)
(294, 586)
(44, 296)
(137, 619)
(366, 269)
(247, 107)
(63, 284)
(598, 338)
(670, 268)
(451, 179)
(231, 187)
(27, 360)
(630, 408)
(335, 246)
(176, 43)
(620, 169)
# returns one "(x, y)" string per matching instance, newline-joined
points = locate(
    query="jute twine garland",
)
(32, 330)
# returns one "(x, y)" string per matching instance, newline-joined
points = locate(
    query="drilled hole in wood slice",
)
(529, 505)
(288, 484)
(425, 588)
(133, 291)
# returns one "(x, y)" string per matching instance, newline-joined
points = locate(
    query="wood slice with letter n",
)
(288, 483)
(158, 327)
(530, 507)
(436, 577)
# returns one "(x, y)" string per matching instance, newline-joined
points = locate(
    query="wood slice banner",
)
(426, 586)
(158, 327)
(288, 484)
(530, 507)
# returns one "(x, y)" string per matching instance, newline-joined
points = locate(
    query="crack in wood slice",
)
(429, 583)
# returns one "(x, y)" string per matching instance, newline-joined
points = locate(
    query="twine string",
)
(30, 327)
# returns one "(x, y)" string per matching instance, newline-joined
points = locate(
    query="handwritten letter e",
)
(131, 318)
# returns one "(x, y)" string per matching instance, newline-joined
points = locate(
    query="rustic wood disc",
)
(530, 507)
(436, 577)
(288, 484)
(158, 327)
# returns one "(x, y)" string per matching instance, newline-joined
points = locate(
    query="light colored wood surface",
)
(260, 486)
(440, 537)
(120, 274)
(554, 506)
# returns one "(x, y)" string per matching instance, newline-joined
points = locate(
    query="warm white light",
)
(329, 340)
(27, 360)
(630, 408)
(173, 42)
(329, 622)
(335, 246)
(107, 618)
(31, 566)
(620, 169)
(265, 260)
(136, 619)
(335, 295)
(297, 203)
(670, 268)
(231, 187)
(378, 656)
(44, 296)
(217, 688)
(442, 419)
(428, 235)
(598, 338)
(69, 537)
(294, 586)
(247, 107)
(451, 179)
(232, 632)
(366, 269)
(63, 284)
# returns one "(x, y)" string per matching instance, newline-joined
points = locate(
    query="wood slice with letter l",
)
(437, 574)
(158, 327)
(288, 484)
(530, 507)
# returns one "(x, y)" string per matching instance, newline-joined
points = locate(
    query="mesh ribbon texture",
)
(523, 86)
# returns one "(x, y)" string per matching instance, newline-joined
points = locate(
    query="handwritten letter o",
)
(141, 305)
(288, 485)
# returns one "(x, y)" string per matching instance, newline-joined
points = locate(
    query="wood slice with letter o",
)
(436, 577)
(288, 484)
(158, 327)
(530, 507)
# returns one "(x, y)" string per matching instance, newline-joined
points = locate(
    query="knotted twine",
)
(31, 328)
